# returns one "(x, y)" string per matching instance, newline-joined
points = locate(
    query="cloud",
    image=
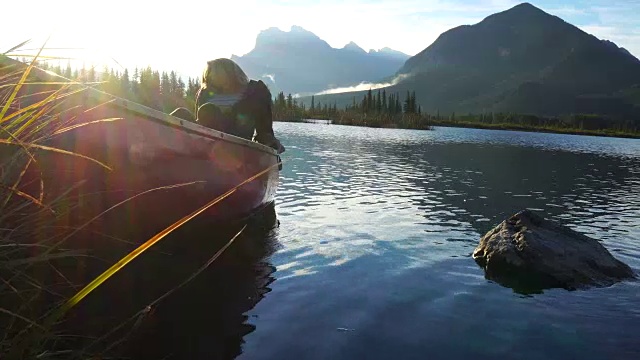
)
(363, 86)
(405, 25)
(616, 22)
(566, 11)
(271, 77)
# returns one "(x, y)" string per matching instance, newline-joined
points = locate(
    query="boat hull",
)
(129, 169)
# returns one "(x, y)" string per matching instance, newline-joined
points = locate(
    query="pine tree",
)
(83, 74)
(67, 71)
(180, 89)
(289, 101)
(282, 102)
(413, 102)
(174, 86)
(384, 101)
(125, 86)
(165, 86)
(407, 103)
(91, 75)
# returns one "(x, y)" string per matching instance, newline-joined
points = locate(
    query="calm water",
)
(372, 256)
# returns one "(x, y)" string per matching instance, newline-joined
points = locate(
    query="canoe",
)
(132, 167)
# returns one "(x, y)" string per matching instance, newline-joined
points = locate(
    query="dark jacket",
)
(251, 112)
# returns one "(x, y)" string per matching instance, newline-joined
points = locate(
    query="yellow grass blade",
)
(101, 104)
(22, 80)
(44, 109)
(28, 197)
(163, 296)
(26, 96)
(38, 83)
(149, 243)
(56, 245)
(68, 128)
(16, 47)
(31, 159)
(39, 104)
(56, 150)
(46, 57)
(16, 183)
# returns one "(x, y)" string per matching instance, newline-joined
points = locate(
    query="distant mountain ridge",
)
(298, 61)
(519, 60)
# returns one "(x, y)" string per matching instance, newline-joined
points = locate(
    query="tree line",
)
(163, 91)
(166, 91)
(379, 109)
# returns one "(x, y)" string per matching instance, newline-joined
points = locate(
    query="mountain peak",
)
(390, 52)
(525, 5)
(300, 30)
(520, 14)
(297, 34)
(351, 46)
(524, 8)
(298, 61)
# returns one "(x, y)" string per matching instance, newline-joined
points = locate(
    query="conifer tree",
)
(289, 101)
(384, 101)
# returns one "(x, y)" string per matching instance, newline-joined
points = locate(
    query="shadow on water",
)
(203, 319)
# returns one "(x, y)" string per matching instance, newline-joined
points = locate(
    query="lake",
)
(372, 256)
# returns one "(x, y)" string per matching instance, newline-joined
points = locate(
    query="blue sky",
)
(183, 35)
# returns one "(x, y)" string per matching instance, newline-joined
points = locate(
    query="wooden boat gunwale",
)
(145, 111)
(166, 119)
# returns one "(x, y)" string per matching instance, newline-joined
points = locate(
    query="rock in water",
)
(529, 254)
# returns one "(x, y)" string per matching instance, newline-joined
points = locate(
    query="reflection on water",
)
(444, 188)
(377, 230)
(206, 318)
(372, 256)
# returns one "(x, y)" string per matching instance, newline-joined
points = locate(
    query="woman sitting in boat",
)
(229, 102)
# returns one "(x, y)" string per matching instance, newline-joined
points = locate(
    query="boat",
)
(130, 167)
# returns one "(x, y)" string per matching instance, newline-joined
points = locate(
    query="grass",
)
(32, 304)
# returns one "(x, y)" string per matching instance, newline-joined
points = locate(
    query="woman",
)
(229, 102)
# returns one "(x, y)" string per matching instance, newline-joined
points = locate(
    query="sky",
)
(183, 35)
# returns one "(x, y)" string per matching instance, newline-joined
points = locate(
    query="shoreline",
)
(568, 131)
(508, 127)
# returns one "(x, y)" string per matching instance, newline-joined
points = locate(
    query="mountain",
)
(520, 60)
(300, 62)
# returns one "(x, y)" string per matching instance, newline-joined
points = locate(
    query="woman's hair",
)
(224, 76)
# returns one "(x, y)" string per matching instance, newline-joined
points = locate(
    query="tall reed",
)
(32, 304)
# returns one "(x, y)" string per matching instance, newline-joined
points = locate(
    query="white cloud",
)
(184, 36)
(616, 22)
(363, 86)
(271, 77)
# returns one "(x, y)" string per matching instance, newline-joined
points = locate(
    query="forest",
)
(166, 91)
